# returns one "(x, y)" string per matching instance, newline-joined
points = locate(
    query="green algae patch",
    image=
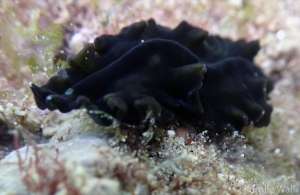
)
(28, 38)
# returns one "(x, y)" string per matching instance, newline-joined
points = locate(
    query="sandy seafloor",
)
(75, 156)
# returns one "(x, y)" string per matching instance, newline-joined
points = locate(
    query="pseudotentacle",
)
(182, 72)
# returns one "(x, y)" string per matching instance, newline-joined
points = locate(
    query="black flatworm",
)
(180, 73)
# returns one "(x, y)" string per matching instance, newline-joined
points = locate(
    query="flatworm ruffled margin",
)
(181, 73)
